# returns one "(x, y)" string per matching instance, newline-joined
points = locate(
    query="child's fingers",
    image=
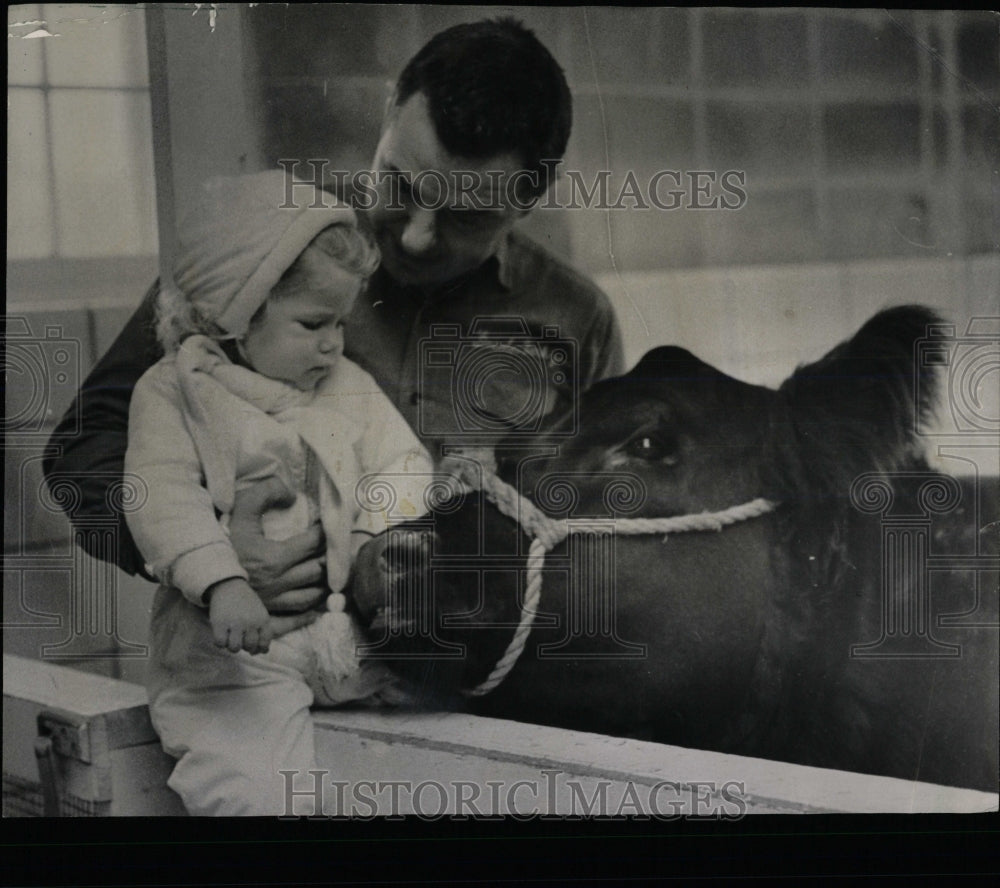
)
(234, 639)
(250, 640)
(220, 634)
(265, 636)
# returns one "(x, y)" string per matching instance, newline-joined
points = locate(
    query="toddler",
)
(253, 387)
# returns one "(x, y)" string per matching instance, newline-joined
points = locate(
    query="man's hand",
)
(288, 575)
(241, 622)
(381, 563)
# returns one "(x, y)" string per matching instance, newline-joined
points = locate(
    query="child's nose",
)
(331, 340)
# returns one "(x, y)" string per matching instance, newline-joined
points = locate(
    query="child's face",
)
(301, 334)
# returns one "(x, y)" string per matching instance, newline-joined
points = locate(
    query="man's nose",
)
(420, 232)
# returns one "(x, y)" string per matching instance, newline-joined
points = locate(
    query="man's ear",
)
(524, 205)
(389, 111)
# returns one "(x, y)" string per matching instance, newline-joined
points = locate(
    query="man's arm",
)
(88, 446)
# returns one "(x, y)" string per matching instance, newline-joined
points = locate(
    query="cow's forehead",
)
(621, 412)
(672, 365)
(677, 384)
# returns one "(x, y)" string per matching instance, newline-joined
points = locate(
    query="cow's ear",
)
(860, 407)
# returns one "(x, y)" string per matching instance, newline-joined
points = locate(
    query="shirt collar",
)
(502, 259)
(496, 269)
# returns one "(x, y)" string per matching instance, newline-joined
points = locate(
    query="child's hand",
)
(238, 617)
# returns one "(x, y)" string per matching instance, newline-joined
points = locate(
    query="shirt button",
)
(415, 398)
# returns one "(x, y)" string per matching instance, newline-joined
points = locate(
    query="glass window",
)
(29, 193)
(103, 169)
(25, 65)
(96, 45)
(80, 157)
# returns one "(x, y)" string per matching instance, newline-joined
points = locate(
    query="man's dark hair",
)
(493, 88)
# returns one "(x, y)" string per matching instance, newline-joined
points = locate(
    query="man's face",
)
(437, 216)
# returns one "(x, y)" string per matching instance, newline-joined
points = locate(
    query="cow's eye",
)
(654, 448)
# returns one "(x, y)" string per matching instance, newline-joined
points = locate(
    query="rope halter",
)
(546, 533)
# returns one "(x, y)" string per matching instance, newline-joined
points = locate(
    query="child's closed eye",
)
(338, 323)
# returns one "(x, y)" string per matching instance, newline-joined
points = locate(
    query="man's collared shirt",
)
(491, 353)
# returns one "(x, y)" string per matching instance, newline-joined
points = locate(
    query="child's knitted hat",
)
(242, 235)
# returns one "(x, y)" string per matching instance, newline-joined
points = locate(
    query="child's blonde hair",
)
(177, 318)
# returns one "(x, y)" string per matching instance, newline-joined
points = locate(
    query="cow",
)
(799, 629)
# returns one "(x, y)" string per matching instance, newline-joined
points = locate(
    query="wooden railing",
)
(78, 743)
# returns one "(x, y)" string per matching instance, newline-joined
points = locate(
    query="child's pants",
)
(235, 721)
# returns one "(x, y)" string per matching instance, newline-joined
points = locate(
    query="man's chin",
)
(411, 272)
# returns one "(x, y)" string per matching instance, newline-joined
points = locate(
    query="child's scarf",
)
(247, 427)
(238, 420)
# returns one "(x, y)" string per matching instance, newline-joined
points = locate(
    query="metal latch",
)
(68, 733)
(63, 734)
(47, 777)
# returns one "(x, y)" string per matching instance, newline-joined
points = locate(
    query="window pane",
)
(876, 49)
(29, 190)
(761, 139)
(96, 46)
(872, 138)
(24, 56)
(753, 48)
(978, 50)
(103, 157)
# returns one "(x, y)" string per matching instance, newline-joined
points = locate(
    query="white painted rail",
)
(437, 764)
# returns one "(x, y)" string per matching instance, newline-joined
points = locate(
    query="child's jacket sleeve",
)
(397, 470)
(177, 530)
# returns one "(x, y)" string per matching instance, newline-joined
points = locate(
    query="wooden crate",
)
(103, 755)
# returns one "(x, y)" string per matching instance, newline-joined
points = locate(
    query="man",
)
(475, 126)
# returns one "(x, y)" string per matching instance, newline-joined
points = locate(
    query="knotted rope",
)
(546, 533)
